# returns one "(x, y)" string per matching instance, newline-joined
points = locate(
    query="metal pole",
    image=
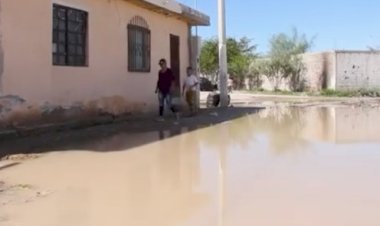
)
(197, 67)
(222, 54)
(196, 7)
(197, 56)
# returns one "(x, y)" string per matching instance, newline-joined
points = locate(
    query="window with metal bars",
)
(138, 45)
(69, 36)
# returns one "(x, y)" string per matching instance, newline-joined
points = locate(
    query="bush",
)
(284, 62)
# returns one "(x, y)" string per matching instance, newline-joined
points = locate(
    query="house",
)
(81, 58)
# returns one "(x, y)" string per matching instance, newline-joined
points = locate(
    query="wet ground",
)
(288, 166)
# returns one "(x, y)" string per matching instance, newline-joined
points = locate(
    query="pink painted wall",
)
(27, 46)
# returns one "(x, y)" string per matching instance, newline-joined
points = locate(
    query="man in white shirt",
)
(230, 84)
(190, 89)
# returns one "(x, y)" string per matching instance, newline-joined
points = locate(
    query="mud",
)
(18, 118)
(124, 131)
(288, 166)
(20, 157)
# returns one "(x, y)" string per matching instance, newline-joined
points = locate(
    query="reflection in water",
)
(282, 127)
(239, 173)
(311, 192)
(172, 171)
(292, 129)
(157, 184)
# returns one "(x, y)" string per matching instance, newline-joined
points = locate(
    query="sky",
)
(335, 24)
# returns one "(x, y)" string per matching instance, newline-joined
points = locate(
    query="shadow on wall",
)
(323, 77)
(15, 112)
(255, 82)
(121, 136)
(297, 80)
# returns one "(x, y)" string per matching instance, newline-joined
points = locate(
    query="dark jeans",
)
(165, 99)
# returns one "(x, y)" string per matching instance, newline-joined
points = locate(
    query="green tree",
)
(284, 61)
(209, 57)
(240, 54)
(255, 73)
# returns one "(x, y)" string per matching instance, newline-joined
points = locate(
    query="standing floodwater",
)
(279, 167)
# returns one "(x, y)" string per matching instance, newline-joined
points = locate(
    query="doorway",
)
(175, 63)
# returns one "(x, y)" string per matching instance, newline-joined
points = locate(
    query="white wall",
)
(357, 70)
(340, 70)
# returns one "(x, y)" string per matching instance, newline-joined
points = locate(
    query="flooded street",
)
(314, 166)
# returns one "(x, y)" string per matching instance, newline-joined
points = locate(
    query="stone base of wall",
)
(16, 113)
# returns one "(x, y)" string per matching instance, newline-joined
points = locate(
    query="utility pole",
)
(196, 7)
(222, 54)
(196, 41)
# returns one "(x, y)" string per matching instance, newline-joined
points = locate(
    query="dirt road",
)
(294, 163)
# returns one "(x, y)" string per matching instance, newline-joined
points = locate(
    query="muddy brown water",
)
(280, 167)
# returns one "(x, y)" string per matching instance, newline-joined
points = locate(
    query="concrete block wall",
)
(337, 70)
(319, 70)
(357, 70)
(318, 73)
(330, 59)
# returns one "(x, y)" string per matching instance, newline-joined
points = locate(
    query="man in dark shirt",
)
(164, 88)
